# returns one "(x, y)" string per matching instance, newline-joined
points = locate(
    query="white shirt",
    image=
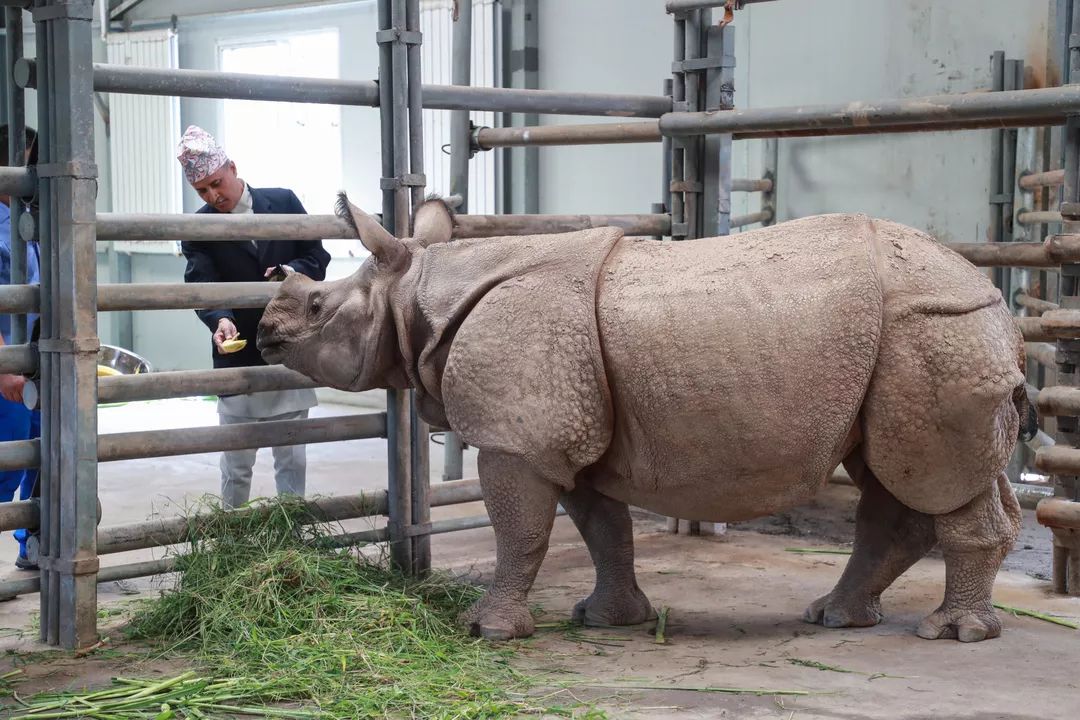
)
(273, 402)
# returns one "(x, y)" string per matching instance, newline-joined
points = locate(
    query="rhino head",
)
(344, 333)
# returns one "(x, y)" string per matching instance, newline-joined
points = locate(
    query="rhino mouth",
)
(271, 349)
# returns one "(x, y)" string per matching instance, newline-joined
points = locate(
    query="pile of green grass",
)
(327, 632)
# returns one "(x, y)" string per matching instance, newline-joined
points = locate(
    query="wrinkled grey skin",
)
(706, 380)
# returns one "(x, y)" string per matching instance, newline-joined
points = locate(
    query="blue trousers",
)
(18, 423)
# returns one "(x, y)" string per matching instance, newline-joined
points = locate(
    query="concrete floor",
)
(735, 603)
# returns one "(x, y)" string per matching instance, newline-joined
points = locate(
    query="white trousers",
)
(290, 465)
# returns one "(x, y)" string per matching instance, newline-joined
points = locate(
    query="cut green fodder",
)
(330, 633)
(1017, 612)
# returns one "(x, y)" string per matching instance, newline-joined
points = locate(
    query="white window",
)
(290, 145)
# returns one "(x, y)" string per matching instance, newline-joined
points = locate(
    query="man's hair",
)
(31, 143)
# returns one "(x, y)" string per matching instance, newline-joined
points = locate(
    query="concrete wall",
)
(791, 53)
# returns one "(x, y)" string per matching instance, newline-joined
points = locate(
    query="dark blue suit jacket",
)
(240, 261)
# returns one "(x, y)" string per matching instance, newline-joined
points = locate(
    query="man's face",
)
(222, 190)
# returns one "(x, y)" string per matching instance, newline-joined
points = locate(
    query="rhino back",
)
(737, 365)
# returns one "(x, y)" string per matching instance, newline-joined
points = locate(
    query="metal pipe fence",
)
(69, 296)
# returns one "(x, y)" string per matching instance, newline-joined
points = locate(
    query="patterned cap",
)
(199, 154)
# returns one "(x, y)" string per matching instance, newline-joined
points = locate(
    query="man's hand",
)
(11, 387)
(225, 331)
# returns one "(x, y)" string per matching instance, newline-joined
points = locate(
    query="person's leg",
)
(236, 468)
(290, 462)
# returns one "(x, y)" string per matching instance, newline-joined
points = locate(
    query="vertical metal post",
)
(997, 190)
(679, 226)
(460, 154)
(1014, 79)
(770, 163)
(69, 342)
(392, 92)
(665, 159)
(521, 178)
(16, 122)
(692, 164)
(719, 95)
(420, 474)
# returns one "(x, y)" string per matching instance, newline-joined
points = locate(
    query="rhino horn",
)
(386, 248)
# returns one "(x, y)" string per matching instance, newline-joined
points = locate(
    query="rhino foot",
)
(963, 624)
(624, 609)
(843, 612)
(496, 619)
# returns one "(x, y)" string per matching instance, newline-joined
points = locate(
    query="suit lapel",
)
(260, 205)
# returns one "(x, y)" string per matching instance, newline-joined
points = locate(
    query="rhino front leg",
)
(608, 531)
(974, 540)
(889, 538)
(522, 507)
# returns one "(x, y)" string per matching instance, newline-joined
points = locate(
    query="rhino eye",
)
(315, 306)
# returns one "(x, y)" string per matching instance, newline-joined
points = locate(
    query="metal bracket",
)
(408, 180)
(692, 186)
(84, 566)
(70, 345)
(78, 170)
(409, 37)
(1074, 41)
(705, 63)
(680, 106)
(1070, 210)
(680, 230)
(58, 11)
(417, 529)
(1001, 199)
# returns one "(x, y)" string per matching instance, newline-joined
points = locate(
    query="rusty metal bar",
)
(26, 586)
(1033, 330)
(762, 216)
(18, 360)
(226, 228)
(1059, 513)
(17, 181)
(752, 185)
(1042, 352)
(1038, 217)
(19, 514)
(190, 383)
(190, 441)
(1059, 401)
(1014, 108)
(1034, 304)
(1058, 460)
(588, 134)
(1050, 178)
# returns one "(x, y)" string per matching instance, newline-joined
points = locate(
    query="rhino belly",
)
(737, 366)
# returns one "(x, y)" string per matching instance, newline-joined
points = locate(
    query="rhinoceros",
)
(717, 379)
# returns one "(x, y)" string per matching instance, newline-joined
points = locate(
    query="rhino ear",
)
(433, 221)
(388, 250)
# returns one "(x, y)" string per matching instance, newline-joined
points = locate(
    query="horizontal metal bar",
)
(153, 296)
(1042, 352)
(193, 383)
(757, 217)
(1061, 323)
(675, 6)
(172, 531)
(185, 296)
(19, 514)
(1034, 304)
(1058, 512)
(1058, 460)
(547, 135)
(242, 86)
(1042, 179)
(129, 571)
(17, 181)
(1038, 217)
(273, 433)
(18, 454)
(940, 112)
(1059, 401)
(226, 227)
(751, 185)
(1033, 330)
(18, 360)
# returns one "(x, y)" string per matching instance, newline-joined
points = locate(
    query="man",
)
(213, 175)
(17, 422)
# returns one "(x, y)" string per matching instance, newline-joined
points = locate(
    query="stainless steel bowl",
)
(127, 362)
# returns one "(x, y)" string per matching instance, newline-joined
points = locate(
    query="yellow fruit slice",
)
(105, 371)
(231, 346)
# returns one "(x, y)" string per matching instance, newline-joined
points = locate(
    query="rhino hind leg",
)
(522, 506)
(974, 541)
(889, 539)
(606, 527)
